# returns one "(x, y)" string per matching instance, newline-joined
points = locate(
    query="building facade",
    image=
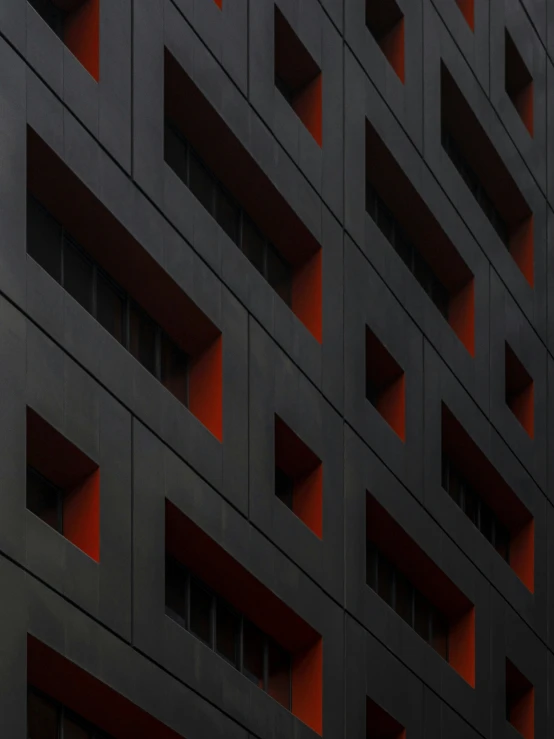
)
(275, 355)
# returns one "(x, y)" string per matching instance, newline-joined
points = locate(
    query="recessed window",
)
(518, 82)
(298, 77)
(76, 23)
(230, 634)
(380, 724)
(385, 384)
(397, 591)
(519, 387)
(478, 512)
(486, 498)
(48, 719)
(520, 701)
(63, 485)
(385, 21)
(405, 220)
(298, 477)
(233, 220)
(58, 253)
(480, 166)
(44, 499)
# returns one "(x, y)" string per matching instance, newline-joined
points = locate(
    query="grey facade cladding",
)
(108, 618)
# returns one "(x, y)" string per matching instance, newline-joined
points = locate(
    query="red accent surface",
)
(81, 516)
(307, 686)
(461, 315)
(380, 724)
(308, 107)
(95, 701)
(392, 46)
(206, 388)
(81, 35)
(467, 8)
(520, 701)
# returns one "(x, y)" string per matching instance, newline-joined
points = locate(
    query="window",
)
(385, 22)
(478, 512)
(492, 185)
(44, 499)
(240, 228)
(385, 384)
(519, 390)
(518, 82)
(297, 76)
(230, 634)
(298, 477)
(520, 701)
(396, 590)
(411, 257)
(58, 253)
(48, 719)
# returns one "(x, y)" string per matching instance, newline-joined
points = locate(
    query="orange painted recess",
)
(72, 472)
(186, 542)
(81, 35)
(467, 9)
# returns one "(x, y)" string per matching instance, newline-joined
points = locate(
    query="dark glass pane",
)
(385, 221)
(439, 633)
(176, 591)
(227, 629)
(404, 598)
(371, 202)
(44, 499)
(371, 565)
(422, 273)
(421, 615)
(227, 215)
(253, 653)
(200, 612)
(110, 308)
(278, 674)
(253, 245)
(77, 275)
(142, 339)
(454, 485)
(440, 297)
(44, 239)
(485, 521)
(278, 274)
(403, 248)
(502, 541)
(385, 575)
(51, 14)
(471, 503)
(201, 183)
(283, 487)
(72, 729)
(175, 153)
(174, 370)
(42, 717)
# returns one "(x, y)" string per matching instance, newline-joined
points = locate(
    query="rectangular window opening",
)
(412, 230)
(473, 154)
